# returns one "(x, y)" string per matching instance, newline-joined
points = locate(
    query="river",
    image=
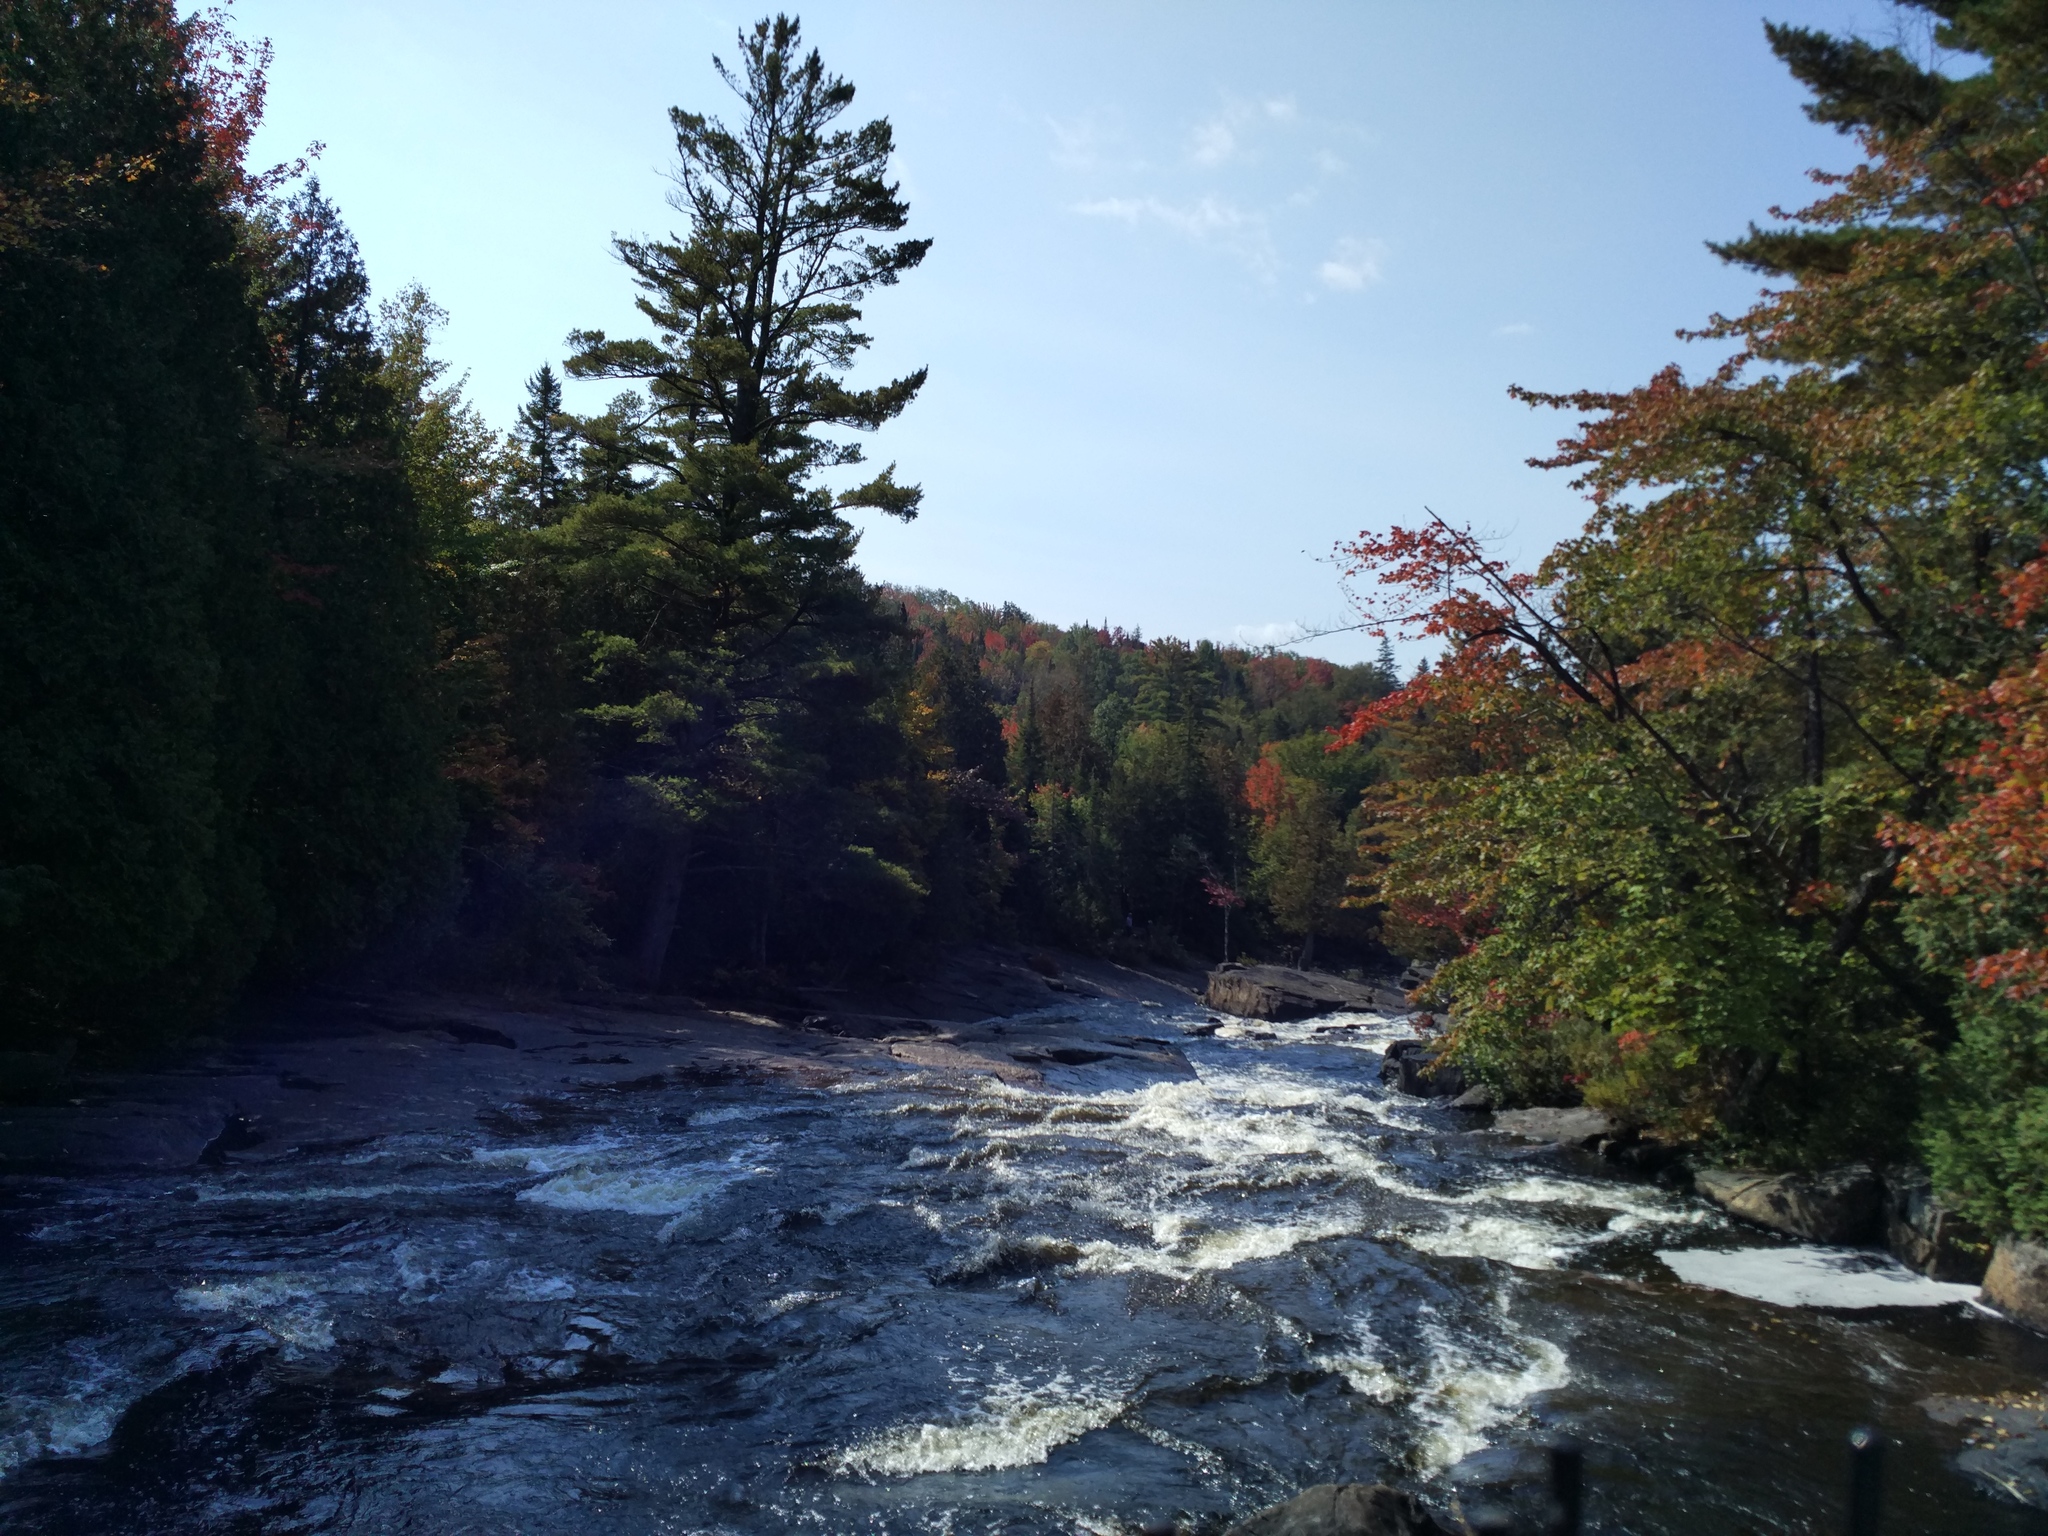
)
(927, 1302)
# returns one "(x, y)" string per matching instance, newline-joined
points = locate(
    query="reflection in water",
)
(929, 1304)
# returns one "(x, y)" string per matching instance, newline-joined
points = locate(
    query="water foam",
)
(1014, 1426)
(283, 1306)
(1467, 1394)
(1813, 1277)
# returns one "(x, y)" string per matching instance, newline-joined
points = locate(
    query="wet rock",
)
(1344, 1509)
(237, 1134)
(1926, 1235)
(2017, 1281)
(1413, 1067)
(1839, 1205)
(1278, 992)
(1480, 1099)
(1568, 1127)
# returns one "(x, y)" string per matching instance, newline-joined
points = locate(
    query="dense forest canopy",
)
(1728, 817)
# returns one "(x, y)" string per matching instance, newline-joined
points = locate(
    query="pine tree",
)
(546, 438)
(731, 569)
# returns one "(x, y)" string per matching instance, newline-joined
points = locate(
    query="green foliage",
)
(214, 747)
(1656, 798)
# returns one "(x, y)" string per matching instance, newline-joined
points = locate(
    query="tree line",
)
(1730, 814)
(304, 667)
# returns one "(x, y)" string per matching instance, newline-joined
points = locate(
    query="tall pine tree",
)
(728, 579)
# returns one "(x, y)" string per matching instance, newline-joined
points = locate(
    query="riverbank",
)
(331, 1067)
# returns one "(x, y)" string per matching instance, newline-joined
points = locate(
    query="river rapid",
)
(919, 1301)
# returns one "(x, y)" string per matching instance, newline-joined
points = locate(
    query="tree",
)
(727, 579)
(545, 438)
(126, 486)
(1666, 782)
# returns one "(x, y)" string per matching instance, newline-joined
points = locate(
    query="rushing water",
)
(926, 1304)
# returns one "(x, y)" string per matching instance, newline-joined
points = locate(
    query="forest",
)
(1728, 816)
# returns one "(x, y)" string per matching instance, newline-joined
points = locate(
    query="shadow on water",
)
(926, 1304)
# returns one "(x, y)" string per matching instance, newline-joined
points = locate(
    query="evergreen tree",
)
(545, 438)
(728, 578)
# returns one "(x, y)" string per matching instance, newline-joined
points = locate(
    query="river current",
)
(923, 1302)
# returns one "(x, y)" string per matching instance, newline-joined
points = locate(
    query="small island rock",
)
(1839, 1205)
(1278, 992)
(1569, 1127)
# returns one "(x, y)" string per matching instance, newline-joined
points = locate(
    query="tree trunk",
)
(662, 906)
(1308, 952)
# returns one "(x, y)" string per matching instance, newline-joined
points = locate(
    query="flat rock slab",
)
(1568, 1127)
(1839, 1205)
(1278, 992)
(2017, 1281)
(1344, 1509)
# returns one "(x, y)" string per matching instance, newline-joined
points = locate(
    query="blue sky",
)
(1213, 285)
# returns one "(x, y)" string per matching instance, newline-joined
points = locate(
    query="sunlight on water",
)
(911, 1301)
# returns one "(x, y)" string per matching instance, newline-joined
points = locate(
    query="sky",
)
(1213, 286)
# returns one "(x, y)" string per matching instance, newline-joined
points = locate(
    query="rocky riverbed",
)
(1055, 1251)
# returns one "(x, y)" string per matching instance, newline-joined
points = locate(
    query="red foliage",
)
(1265, 789)
(229, 79)
(1998, 848)
(1220, 895)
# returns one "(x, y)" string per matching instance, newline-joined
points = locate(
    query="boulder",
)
(1344, 1509)
(1412, 1067)
(1479, 1099)
(1839, 1205)
(2017, 1281)
(1277, 992)
(1926, 1235)
(1568, 1127)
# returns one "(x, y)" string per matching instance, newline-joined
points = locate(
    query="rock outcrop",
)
(1277, 992)
(1414, 1067)
(1568, 1127)
(1926, 1235)
(2017, 1281)
(1344, 1509)
(1840, 1205)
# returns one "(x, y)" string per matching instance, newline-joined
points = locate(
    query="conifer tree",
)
(546, 438)
(731, 571)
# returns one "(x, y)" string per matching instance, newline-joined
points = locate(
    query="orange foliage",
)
(1998, 847)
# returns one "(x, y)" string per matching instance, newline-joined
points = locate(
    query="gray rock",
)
(1839, 1205)
(1344, 1509)
(1277, 992)
(1571, 1127)
(2017, 1281)
(1413, 1067)
(1926, 1235)
(1480, 1098)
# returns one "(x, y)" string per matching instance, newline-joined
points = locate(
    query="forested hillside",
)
(307, 669)
(1728, 817)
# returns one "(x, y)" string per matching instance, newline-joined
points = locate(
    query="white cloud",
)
(1221, 139)
(1214, 142)
(1207, 221)
(1519, 328)
(1330, 164)
(1354, 265)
